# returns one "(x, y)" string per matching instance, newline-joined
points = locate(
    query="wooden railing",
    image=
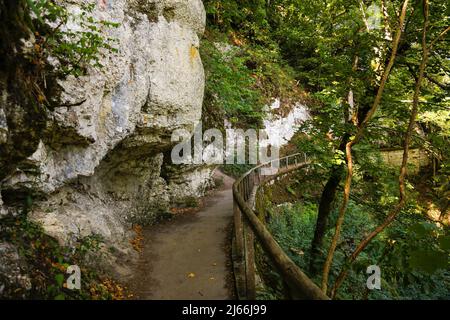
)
(250, 231)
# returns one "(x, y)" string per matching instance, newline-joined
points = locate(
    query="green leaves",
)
(423, 229)
(428, 260)
(75, 50)
(242, 80)
(321, 40)
(249, 17)
(429, 249)
(339, 158)
(444, 242)
(291, 191)
(59, 278)
(47, 261)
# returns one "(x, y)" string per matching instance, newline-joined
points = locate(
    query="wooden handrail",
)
(244, 189)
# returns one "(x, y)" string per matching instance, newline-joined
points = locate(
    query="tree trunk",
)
(403, 169)
(324, 211)
(348, 150)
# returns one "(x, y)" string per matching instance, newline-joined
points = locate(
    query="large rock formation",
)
(98, 166)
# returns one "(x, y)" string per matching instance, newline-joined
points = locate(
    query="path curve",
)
(185, 258)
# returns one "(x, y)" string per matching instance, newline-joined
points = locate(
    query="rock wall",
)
(281, 128)
(98, 166)
(417, 158)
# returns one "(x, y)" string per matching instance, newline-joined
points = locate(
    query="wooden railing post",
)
(249, 225)
(247, 191)
(239, 252)
(250, 262)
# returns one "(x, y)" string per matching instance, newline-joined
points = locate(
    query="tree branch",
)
(438, 37)
(403, 169)
(441, 85)
(357, 138)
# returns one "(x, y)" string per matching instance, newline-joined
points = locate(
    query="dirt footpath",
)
(185, 258)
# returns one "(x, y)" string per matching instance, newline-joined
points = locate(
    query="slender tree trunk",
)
(359, 134)
(324, 211)
(403, 170)
(330, 189)
(326, 201)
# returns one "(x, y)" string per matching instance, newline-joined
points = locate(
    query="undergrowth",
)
(45, 262)
(242, 78)
(399, 251)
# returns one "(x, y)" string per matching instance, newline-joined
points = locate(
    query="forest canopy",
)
(376, 75)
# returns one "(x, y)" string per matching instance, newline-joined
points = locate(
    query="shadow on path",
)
(185, 258)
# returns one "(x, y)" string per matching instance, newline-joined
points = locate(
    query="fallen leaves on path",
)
(111, 289)
(137, 241)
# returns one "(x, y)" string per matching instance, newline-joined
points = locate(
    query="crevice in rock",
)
(150, 9)
(169, 14)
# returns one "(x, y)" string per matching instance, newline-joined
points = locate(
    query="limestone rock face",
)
(2, 210)
(188, 182)
(98, 167)
(3, 127)
(14, 281)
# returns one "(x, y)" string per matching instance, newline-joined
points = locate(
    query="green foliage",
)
(236, 170)
(244, 67)
(414, 261)
(229, 84)
(250, 17)
(74, 48)
(329, 49)
(242, 80)
(321, 40)
(191, 202)
(47, 261)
